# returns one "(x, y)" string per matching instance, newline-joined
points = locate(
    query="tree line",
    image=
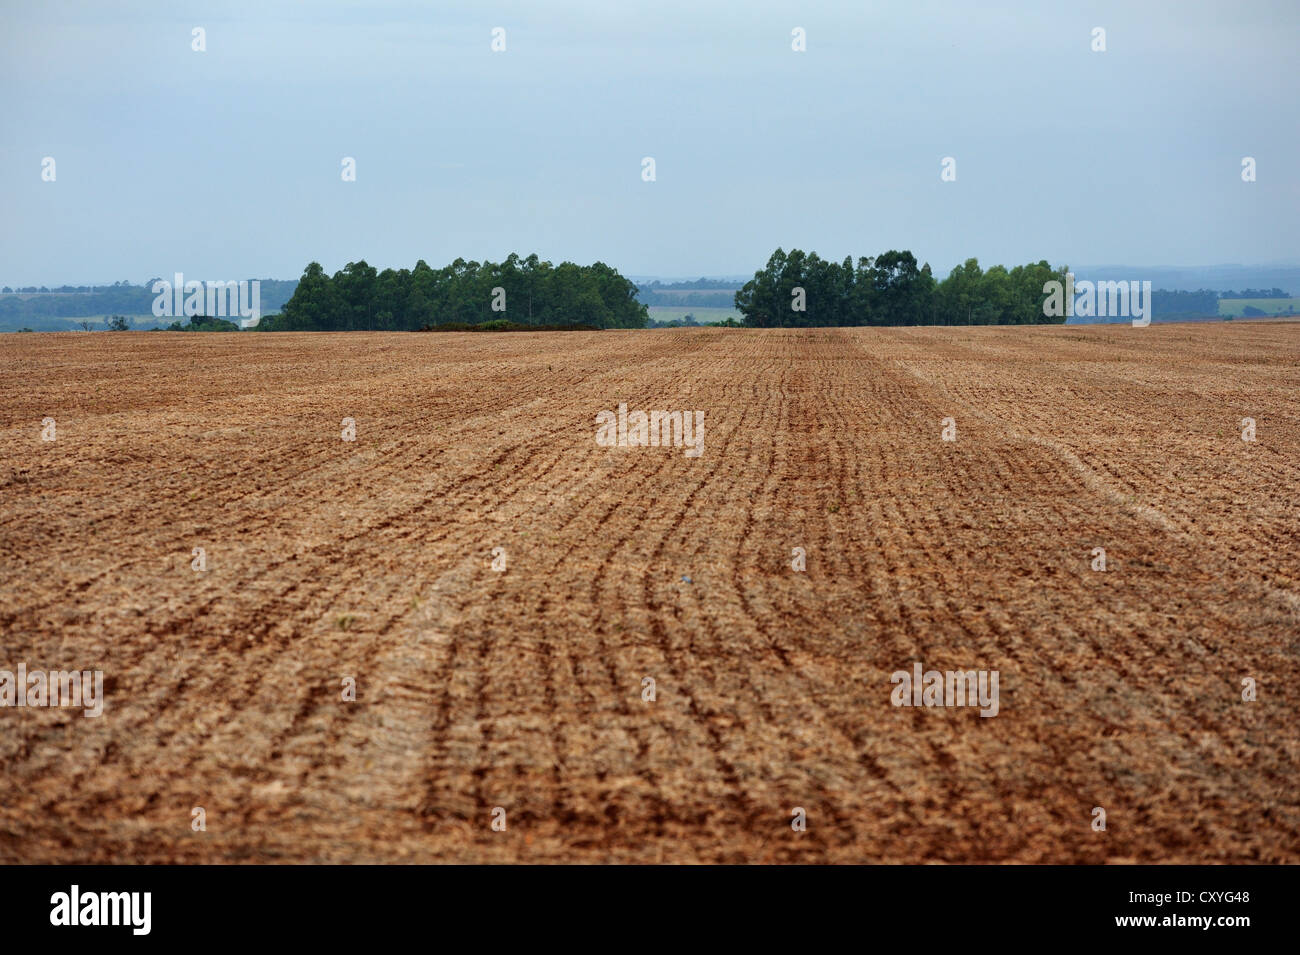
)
(699, 284)
(1274, 292)
(700, 293)
(699, 298)
(798, 289)
(1202, 303)
(526, 291)
(120, 298)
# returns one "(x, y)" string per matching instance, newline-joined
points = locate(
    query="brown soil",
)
(523, 689)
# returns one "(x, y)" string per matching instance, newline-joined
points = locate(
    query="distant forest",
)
(524, 291)
(45, 308)
(701, 293)
(1256, 293)
(892, 289)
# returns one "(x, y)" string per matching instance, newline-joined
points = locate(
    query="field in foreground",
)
(522, 689)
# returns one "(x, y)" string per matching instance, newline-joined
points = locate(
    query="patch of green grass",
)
(663, 313)
(1270, 306)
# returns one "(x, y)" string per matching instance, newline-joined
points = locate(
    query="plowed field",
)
(522, 688)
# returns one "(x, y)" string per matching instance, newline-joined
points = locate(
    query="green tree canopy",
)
(528, 291)
(796, 289)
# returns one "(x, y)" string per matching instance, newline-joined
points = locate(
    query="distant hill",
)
(50, 310)
(684, 295)
(1216, 278)
(1181, 293)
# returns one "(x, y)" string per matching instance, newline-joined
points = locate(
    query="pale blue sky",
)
(226, 163)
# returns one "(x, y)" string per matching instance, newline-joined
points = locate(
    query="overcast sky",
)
(227, 163)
